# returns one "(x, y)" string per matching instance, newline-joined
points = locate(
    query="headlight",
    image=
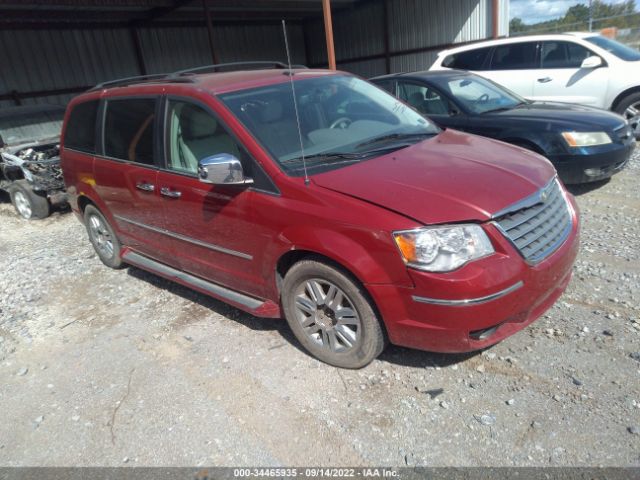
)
(442, 249)
(586, 139)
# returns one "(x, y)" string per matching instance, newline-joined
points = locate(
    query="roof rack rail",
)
(123, 82)
(235, 66)
(182, 76)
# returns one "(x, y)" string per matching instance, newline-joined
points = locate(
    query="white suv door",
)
(561, 78)
(513, 65)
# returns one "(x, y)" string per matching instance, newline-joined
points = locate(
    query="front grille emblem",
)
(544, 196)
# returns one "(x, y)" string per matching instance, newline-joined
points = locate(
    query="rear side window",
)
(514, 56)
(563, 55)
(469, 60)
(81, 127)
(128, 129)
(388, 85)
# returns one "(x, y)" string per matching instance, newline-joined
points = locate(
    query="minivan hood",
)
(452, 177)
(562, 114)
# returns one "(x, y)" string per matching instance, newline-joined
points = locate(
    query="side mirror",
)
(222, 169)
(591, 62)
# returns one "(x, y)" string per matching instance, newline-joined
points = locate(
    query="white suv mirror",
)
(222, 169)
(591, 62)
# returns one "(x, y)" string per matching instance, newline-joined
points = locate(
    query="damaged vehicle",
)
(30, 158)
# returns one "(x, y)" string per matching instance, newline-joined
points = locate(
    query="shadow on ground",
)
(582, 188)
(392, 354)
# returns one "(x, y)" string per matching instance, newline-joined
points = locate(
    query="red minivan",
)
(317, 196)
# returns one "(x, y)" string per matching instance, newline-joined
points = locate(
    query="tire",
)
(103, 238)
(29, 204)
(629, 108)
(331, 316)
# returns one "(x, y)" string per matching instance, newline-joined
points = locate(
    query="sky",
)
(534, 11)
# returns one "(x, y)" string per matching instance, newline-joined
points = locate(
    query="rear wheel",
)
(629, 108)
(331, 315)
(29, 204)
(102, 237)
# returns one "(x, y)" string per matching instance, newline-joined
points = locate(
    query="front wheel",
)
(29, 204)
(102, 237)
(331, 315)
(629, 107)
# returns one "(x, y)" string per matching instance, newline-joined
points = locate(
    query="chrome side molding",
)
(184, 238)
(468, 301)
(171, 273)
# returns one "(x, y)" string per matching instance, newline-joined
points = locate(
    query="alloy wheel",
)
(22, 204)
(327, 315)
(632, 114)
(100, 236)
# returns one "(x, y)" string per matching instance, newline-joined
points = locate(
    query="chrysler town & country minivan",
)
(346, 211)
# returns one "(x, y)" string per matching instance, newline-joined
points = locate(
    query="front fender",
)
(371, 256)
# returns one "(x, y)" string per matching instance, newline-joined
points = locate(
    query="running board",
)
(189, 280)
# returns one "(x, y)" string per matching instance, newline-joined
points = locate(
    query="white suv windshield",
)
(342, 120)
(616, 48)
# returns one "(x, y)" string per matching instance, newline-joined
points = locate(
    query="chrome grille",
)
(538, 225)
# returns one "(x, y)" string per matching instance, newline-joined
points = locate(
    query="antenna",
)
(295, 104)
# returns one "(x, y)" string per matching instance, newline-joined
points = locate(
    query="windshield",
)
(343, 120)
(477, 94)
(30, 125)
(616, 48)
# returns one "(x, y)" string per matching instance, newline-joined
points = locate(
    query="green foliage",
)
(576, 18)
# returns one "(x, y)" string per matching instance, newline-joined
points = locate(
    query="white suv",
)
(583, 68)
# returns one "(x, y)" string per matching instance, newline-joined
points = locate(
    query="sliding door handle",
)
(145, 187)
(167, 192)
(545, 80)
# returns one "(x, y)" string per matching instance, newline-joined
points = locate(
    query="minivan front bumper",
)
(479, 304)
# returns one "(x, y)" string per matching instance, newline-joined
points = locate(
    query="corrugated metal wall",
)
(413, 24)
(56, 59)
(39, 60)
(171, 49)
(42, 60)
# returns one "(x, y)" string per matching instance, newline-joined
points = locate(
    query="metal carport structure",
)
(54, 49)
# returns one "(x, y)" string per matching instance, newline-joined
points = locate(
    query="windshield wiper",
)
(343, 157)
(327, 156)
(395, 136)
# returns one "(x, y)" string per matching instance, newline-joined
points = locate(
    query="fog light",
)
(593, 172)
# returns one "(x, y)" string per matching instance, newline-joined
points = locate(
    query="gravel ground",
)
(105, 368)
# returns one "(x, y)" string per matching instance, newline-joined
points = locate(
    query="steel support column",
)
(207, 13)
(328, 31)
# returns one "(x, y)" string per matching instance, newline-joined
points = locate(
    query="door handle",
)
(146, 187)
(167, 192)
(545, 80)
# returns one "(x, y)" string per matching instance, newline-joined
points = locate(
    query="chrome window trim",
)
(194, 241)
(468, 301)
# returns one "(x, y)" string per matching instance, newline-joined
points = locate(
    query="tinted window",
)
(195, 134)
(514, 56)
(388, 85)
(423, 98)
(563, 55)
(128, 129)
(81, 127)
(469, 60)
